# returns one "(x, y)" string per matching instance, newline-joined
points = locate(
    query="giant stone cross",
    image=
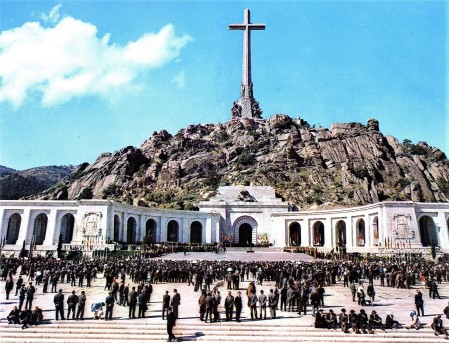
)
(246, 106)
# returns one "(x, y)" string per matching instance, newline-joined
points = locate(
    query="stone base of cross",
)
(246, 108)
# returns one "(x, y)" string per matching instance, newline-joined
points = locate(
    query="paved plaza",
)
(399, 301)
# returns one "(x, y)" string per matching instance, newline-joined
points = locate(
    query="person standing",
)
(272, 303)
(132, 303)
(263, 305)
(30, 294)
(171, 322)
(142, 301)
(202, 304)
(54, 282)
(81, 304)
(175, 302)
(165, 304)
(22, 295)
(229, 306)
(217, 301)
(72, 300)
(238, 306)
(19, 283)
(209, 302)
(419, 303)
(58, 300)
(109, 306)
(9, 286)
(252, 304)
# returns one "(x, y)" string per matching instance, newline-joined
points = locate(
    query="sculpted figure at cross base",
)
(245, 196)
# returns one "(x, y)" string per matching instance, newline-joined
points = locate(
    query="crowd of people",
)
(298, 287)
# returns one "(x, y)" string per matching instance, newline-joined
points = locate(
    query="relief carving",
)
(402, 227)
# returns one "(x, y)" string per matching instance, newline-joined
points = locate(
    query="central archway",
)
(245, 231)
(295, 234)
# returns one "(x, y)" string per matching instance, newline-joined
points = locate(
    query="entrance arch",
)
(318, 234)
(245, 230)
(67, 225)
(12, 234)
(40, 228)
(116, 228)
(340, 233)
(294, 234)
(172, 231)
(131, 231)
(428, 231)
(360, 229)
(150, 230)
(196, 230)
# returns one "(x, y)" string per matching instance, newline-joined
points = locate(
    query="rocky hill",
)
(344, 165)
(17, 184)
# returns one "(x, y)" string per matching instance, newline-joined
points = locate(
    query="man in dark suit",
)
(9, 285)
(81, 304)
(132, 303)
(171, 322)
(142, 301)
(238, 306)
(109, 306)
(229, 306)
(419, 303)
(58, 300)
(30, 294)
(175, 302)
(72, 300)
(165, 304)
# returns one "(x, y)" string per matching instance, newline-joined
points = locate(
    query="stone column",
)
(444, 234)
(51, 228)
(329, 240)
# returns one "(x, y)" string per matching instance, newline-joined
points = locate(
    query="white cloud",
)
(180, 79)
(69, 60)
(53, 16)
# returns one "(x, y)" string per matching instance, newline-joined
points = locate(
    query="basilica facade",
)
(237, 215)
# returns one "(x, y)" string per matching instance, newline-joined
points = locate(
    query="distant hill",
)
(6, 171)
(18, 184)
(311, 167)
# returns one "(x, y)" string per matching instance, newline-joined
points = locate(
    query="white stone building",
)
(237, 214)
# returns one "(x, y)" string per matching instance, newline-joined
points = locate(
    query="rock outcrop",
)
(345, 165)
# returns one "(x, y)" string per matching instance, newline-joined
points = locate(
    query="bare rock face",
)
(345, 165)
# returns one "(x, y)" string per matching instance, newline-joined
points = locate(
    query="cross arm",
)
(256, 26)
(237, 27)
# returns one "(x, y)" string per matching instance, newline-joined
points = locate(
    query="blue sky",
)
(79, 78)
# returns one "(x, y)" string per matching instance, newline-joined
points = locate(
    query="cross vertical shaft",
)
(246, 100)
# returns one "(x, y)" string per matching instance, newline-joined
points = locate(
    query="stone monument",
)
(246, 106)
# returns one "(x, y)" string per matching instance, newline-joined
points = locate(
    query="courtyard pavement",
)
(399, 301)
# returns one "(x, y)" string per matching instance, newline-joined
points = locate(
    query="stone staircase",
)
(141, 330)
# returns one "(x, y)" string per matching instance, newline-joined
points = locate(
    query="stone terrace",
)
(288, 327)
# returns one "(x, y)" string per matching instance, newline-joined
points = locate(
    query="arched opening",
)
(360, 228)
(12, 234)
(116, 228)
(294, 234)
(172, 231)
(341, 233)
(67, 225)
(245, 234)
(376, 231)
(40, 228)
(318, 234)
(196, 230)
(131, 231)
(150, 230)
(428, 231)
